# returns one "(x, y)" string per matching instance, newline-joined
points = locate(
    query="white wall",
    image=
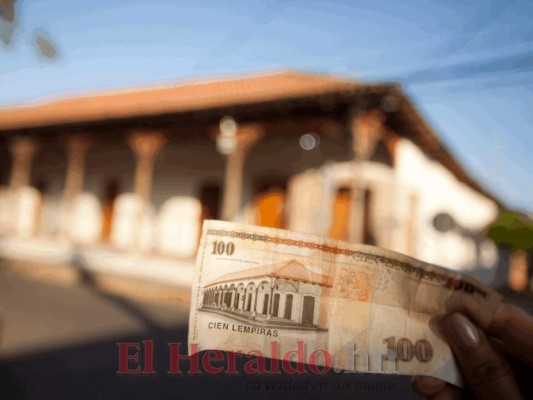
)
(438, 190)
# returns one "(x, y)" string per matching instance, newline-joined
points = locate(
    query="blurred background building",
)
(127, 177)
(102, 194)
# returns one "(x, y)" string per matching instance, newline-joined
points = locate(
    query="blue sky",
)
(467, 65)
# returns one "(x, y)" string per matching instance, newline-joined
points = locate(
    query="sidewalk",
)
(133, 275)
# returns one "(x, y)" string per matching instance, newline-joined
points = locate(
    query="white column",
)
(255, 292)
(25, 202)
(232, 300)
(146, 145)
(77, 147)
(135, 230)
(22, 150)
(297, 303)
(282, 303)
(234, 142)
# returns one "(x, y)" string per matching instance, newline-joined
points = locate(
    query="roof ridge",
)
(286, 264)
(179, 83)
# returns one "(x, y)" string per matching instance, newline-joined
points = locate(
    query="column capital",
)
(146, 143)
(248, 135)
(239, 139)
(23, 146)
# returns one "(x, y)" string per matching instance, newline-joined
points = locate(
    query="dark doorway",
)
(111, 191)
(265, 304)
(210, 199)
(308, 310)
(249, 302)
(5, 165)
(275, 306)
(269, 202)
(341, 214)
(288, 307)
(368, 231)
(236, 303)
(228, 299)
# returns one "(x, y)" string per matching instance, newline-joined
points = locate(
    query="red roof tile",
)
(184, 97)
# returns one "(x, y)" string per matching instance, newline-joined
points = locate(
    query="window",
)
(269, 204)
(341, 214)
(210, 200)
(368, 229)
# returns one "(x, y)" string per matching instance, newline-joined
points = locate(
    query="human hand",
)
(487, 357)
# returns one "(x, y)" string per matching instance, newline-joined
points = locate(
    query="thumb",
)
(486, 371)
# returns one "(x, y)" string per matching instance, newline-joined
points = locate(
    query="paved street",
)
(59, 341)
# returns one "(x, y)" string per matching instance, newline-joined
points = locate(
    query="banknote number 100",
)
(405, 350)
(220, 247)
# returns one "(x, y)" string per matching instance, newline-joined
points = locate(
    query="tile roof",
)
(291, 270)
(185, 97)
(224, 92)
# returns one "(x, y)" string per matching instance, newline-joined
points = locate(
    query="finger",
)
(514, 327)
(448, 393)
(427, 386)
(487, 372)
(435, 389)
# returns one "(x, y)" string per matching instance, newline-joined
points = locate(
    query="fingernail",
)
(464, 333)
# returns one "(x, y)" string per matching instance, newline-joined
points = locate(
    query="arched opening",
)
(308, 310)
(275, 305)
(341, 214)
(227, 299)
(288, 307)
(368, 229)
(266, 299)
(249, 302)
(111, 191)
(269, 203)
(210, 199)
(342, 205)
(5, 165)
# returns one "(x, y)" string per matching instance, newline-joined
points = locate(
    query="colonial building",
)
(136, 171)
(279, 294)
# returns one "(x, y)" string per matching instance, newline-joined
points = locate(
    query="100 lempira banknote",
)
(353, 307)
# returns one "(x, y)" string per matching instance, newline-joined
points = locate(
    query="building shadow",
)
(89, 371)
(87, 279)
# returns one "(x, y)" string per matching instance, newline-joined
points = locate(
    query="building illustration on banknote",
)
(284, 294)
